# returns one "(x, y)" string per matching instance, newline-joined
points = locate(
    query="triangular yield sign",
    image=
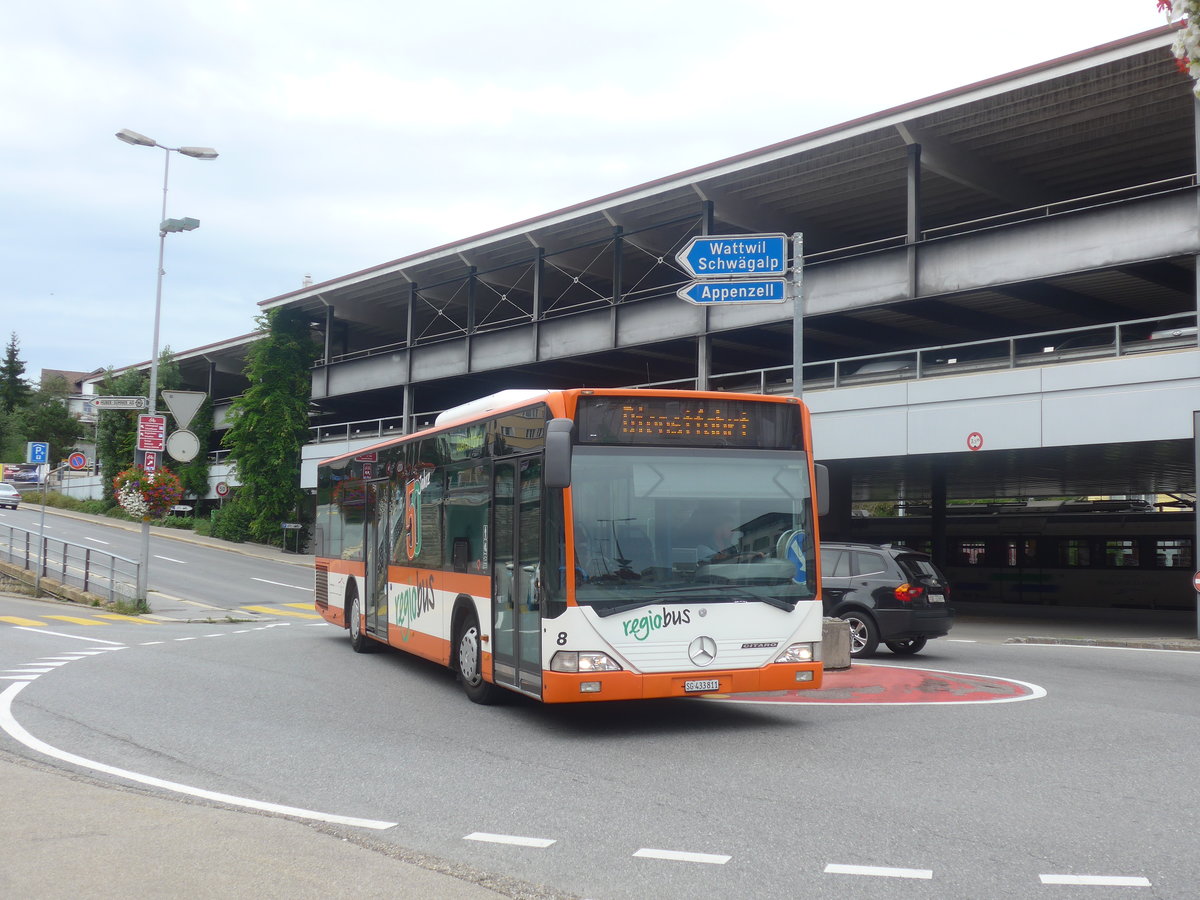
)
(183, 405)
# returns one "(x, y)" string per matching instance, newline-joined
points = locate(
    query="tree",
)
(116, 433)
(194, 475)
(270, 422)
(47, 418)
(14, 390)
(12, 435)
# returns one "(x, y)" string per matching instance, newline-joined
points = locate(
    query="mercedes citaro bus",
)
(558, 544)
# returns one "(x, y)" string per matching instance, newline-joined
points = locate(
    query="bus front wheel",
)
(359, 641)
(469, 663)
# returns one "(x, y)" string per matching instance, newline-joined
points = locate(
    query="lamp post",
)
(166, 226)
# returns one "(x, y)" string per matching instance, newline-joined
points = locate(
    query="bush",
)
(187, 523)
(231, 522)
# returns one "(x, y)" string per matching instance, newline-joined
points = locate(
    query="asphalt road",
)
(183, 576)
(1086, 790)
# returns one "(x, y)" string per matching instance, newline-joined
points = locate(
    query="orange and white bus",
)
(560, 544)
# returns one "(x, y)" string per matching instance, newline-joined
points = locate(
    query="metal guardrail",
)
(97, 572)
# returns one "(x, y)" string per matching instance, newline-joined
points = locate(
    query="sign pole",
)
(797, 291)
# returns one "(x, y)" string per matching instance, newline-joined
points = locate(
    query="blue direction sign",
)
(771, 290)
(734, 255)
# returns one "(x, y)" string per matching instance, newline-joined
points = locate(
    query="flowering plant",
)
(1187, 42)
(147, 496)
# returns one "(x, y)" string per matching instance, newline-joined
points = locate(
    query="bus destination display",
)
(667, 421)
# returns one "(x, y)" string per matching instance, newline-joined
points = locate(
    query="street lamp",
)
(165, 227)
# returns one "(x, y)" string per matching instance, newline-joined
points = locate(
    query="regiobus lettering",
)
(584, 545)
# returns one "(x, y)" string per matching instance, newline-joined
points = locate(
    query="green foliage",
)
(194, 475)
(29, 415)
(116, 434)
(270, 423)
(48, 419)
(232, 522)
(12, 435)
(14, 389)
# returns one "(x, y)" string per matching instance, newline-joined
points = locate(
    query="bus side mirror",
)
(822, 489)
(557, 471)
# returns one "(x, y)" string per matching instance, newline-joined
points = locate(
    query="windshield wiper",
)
(721, 593)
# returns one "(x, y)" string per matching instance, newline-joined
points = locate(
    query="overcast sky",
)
(357, 132)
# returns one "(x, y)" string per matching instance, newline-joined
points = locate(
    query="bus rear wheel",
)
(469, 663)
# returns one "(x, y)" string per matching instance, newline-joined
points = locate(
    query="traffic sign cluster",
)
(720, 263)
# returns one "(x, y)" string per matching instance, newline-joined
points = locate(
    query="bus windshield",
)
(691, 526)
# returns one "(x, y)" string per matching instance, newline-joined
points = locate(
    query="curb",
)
(1192, 646)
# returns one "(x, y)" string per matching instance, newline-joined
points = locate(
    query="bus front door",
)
(516, 568)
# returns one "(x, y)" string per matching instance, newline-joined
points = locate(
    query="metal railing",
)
(95, 571)
(1117, 339)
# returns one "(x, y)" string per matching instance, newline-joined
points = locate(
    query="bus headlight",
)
(800, 653)
(583, 661)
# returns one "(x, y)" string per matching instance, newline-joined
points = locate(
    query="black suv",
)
(887, 593)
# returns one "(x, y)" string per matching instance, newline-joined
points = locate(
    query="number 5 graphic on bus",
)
(412, 518)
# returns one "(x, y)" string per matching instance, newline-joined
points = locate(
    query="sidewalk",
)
(65, 836)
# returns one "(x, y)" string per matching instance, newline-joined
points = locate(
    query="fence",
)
(94, 571)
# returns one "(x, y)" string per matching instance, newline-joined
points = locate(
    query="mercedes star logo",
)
(703, 650)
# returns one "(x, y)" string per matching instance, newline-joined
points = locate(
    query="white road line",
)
(960, 641)
(513, 839)
(76, 637)
(150, 643)
(879, 871)
(26, 670)
(715, 859)
(281, 584)
(25, 678)
(96, 541)
(1097, 880)
(170, 559)
(18, 733)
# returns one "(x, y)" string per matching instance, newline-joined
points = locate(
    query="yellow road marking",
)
(272, 611)
(120, 618)
(77, 620)
(17, 620)
(299, 605)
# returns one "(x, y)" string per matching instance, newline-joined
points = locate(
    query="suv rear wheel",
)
(864, 633)
(908, 647)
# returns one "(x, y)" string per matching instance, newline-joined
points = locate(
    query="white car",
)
(9, 495)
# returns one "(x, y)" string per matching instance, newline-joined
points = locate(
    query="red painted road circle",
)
(880, 685)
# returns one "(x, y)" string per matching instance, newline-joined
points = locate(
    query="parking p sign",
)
(37, 452)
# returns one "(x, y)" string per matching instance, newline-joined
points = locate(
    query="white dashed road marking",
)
(513, 839)
(1097, 880)
(716, 859)
(878, 871)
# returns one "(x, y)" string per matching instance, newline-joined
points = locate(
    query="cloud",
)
(354, 133)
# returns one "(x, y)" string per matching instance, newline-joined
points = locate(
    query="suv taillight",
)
(907, 593)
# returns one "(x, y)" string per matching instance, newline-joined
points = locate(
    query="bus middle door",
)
(378, 549)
